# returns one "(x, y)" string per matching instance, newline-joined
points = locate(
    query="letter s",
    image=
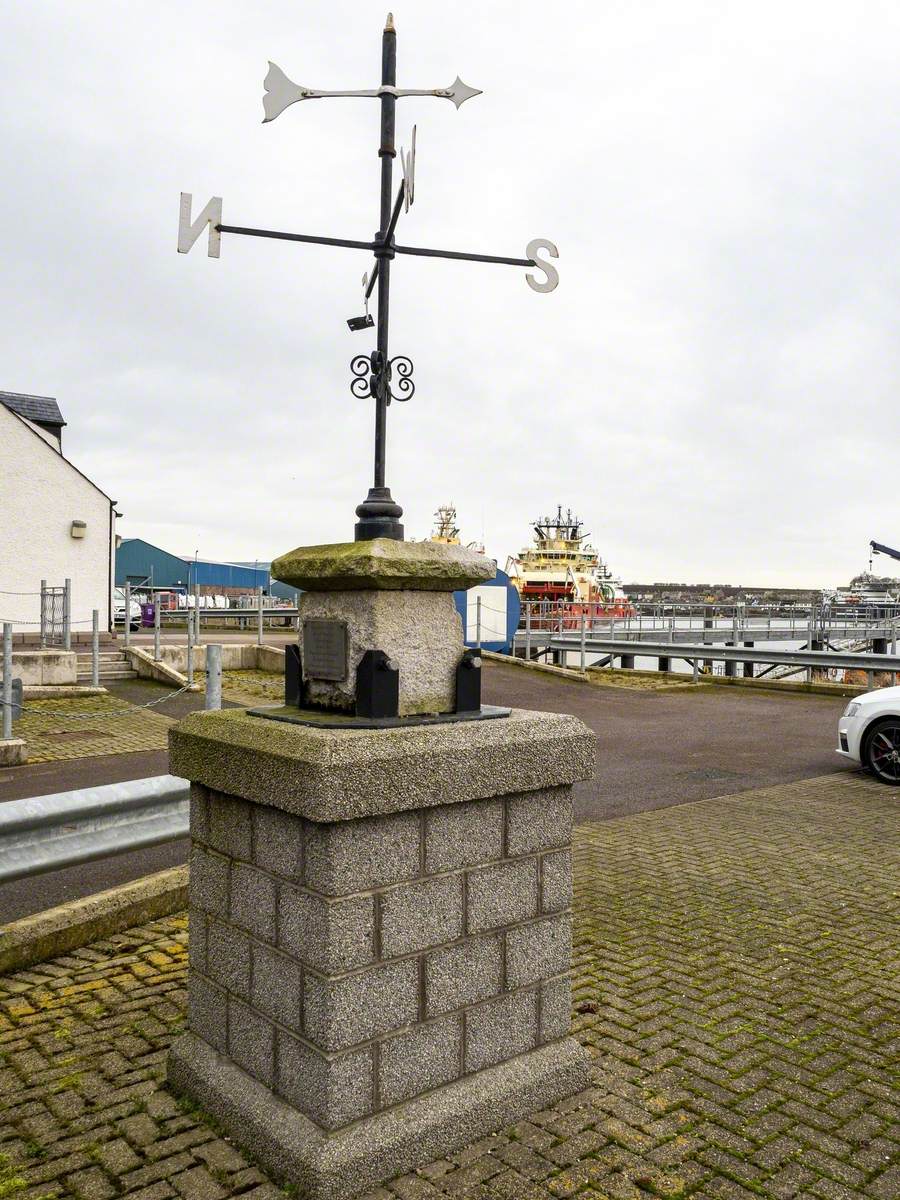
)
(531, 251)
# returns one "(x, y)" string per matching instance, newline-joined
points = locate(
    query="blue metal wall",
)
(500, 611)
(232, 575)
(137, 560)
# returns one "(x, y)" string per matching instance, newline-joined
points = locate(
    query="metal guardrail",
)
(46, 833)
(729, 654)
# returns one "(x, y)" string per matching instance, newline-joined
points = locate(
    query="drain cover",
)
(75, 735)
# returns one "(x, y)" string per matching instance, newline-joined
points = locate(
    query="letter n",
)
(188, 233)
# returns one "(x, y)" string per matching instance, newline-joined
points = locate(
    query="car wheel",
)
(882, 751)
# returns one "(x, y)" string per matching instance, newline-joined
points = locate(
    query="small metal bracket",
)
(468, 682)
(377, 686)
(294, 691)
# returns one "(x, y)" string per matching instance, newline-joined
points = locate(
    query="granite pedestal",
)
(379, 937)
(396, 597)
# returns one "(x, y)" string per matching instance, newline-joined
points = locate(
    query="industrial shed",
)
(144, 565)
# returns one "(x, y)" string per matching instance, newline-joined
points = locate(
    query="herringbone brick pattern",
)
(83, 726)
(736, 968)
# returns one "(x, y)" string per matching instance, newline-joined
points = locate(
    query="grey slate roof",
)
(42, 410)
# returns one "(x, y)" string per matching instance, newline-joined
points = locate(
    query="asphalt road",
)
(654, 749)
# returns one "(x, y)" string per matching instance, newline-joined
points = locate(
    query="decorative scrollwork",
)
(405, 386)
(372, 377)
(360, 367)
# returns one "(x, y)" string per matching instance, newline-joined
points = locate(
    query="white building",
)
(55, 524)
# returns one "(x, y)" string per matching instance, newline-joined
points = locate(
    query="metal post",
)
(67, 616)
(696, 670)
(7, 680)
(528, 631)
(196, 613)
(379, 515)
(43, 613)
(213, 677)
(127, 615)
(190, 651)
(156, 623)
(95, 648)
(259, 616)
(478, 622)
(582, 641)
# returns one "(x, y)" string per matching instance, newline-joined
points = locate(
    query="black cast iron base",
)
(322, 718)
(379, 517)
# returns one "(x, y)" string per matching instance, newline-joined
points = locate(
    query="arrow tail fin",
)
(281, 92)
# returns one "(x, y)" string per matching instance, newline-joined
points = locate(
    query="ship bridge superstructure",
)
(562, 566)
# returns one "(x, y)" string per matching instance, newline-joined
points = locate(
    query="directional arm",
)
(548, 285)
(281, 92)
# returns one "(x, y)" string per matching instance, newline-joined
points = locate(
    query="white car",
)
(869, 733)
(134, 610)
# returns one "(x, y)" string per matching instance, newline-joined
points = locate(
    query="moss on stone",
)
(340, 774)
(383, 564)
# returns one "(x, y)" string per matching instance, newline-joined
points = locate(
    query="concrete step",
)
(109, 676)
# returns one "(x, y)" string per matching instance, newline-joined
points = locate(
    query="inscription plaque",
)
(325, 649)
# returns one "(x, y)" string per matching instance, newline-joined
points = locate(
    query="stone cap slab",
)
(383, 564)
(339, 775)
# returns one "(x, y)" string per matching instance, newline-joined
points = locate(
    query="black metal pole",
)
(386, 152)
(378, 515)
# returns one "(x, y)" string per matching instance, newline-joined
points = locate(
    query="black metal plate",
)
(322, 719)
(325, 650)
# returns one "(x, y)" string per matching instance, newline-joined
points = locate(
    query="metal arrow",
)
(282, 92)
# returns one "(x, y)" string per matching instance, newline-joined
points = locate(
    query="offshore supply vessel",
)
(446, 530)
(563, 569)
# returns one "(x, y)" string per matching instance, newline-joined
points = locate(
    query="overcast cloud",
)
(713, 386)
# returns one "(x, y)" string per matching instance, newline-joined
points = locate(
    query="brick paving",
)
(84, 726)
(249, 687)
(735, 977)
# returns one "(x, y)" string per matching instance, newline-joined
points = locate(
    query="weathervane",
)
(376, 374)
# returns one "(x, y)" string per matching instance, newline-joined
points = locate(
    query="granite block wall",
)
(354, 965)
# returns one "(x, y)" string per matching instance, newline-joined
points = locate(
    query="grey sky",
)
(713, 386)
